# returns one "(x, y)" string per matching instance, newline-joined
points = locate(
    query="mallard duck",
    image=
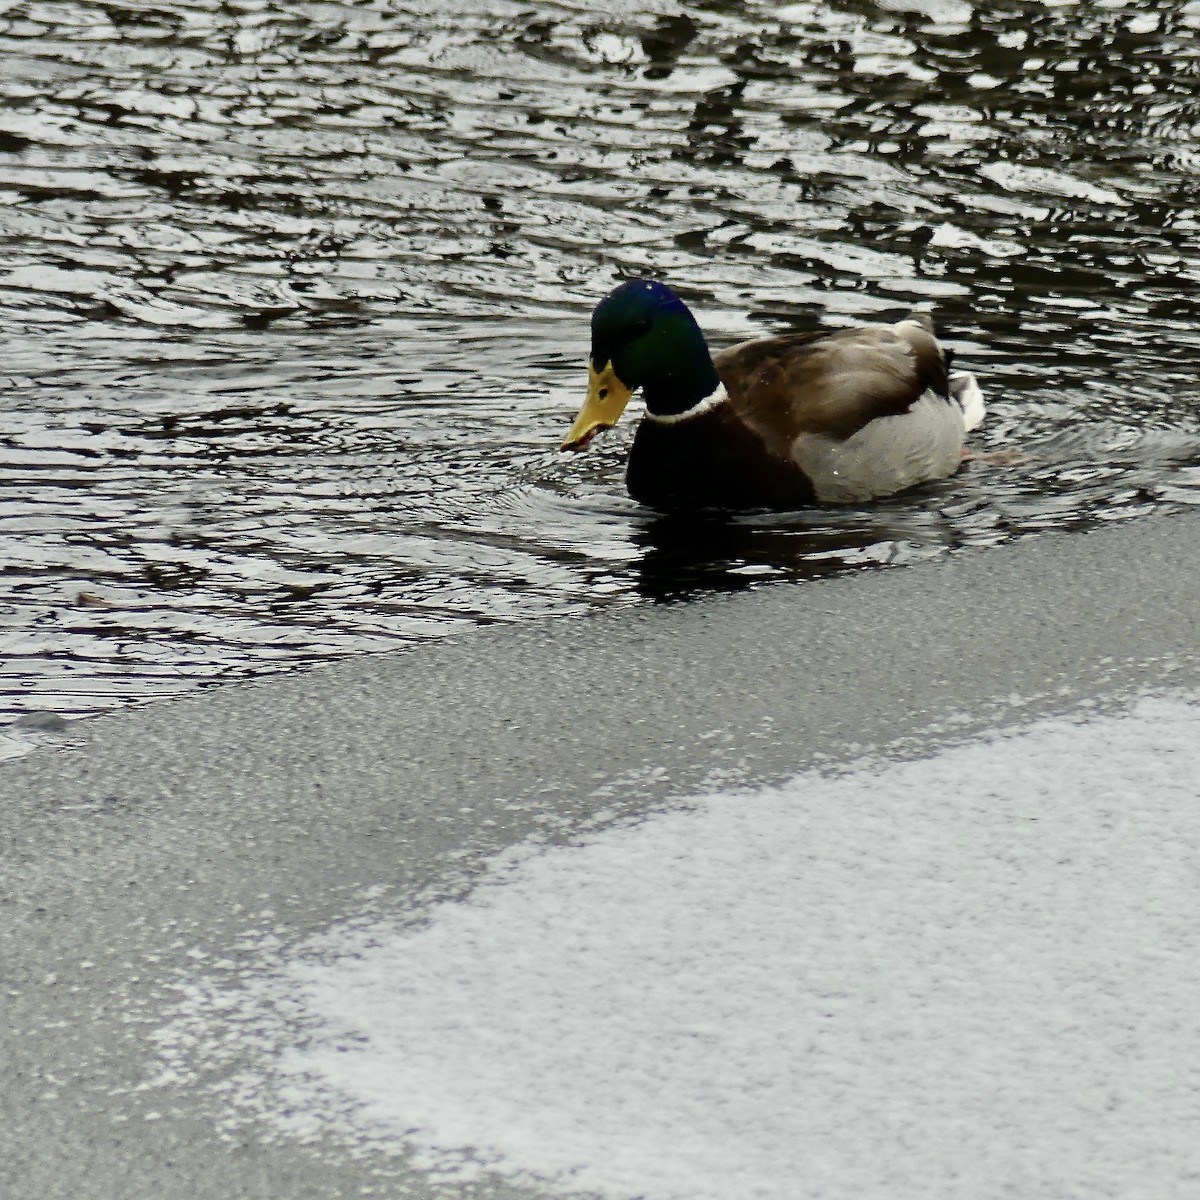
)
(836, 418)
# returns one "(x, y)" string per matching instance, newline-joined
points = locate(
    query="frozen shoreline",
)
(196, 831)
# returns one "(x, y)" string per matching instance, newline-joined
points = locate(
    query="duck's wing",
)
(831, 384)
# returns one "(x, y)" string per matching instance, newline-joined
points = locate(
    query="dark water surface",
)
(294, 298)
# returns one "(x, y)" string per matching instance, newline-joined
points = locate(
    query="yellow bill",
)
(606, 400)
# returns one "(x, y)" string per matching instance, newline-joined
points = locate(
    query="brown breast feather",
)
(831, 384)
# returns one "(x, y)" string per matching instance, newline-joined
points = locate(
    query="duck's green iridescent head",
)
(643, 336)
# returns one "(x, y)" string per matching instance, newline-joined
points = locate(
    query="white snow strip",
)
(976, 975)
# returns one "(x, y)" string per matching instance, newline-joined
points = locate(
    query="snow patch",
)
(972, 975)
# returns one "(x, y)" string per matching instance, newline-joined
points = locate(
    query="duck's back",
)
(831, 383)
(863, 413)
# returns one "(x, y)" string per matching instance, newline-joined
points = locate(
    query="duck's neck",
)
(683, 385)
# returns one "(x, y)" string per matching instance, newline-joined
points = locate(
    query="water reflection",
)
(683, 555)
(295, 298)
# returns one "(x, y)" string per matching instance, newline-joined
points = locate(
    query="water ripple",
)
(295, 298)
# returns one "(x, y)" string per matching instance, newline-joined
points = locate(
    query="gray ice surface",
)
(185, 833)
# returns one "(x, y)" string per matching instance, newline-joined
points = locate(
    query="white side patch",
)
(965, 389)
(711, 401)
(887, 455)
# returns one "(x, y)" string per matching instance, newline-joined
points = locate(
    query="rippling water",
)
(295, 297)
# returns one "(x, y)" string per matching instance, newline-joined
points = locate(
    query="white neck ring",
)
(712, 400)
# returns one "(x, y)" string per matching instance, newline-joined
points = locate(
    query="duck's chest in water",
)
(710, 462)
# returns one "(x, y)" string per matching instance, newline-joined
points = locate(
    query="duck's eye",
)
(638, 328)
